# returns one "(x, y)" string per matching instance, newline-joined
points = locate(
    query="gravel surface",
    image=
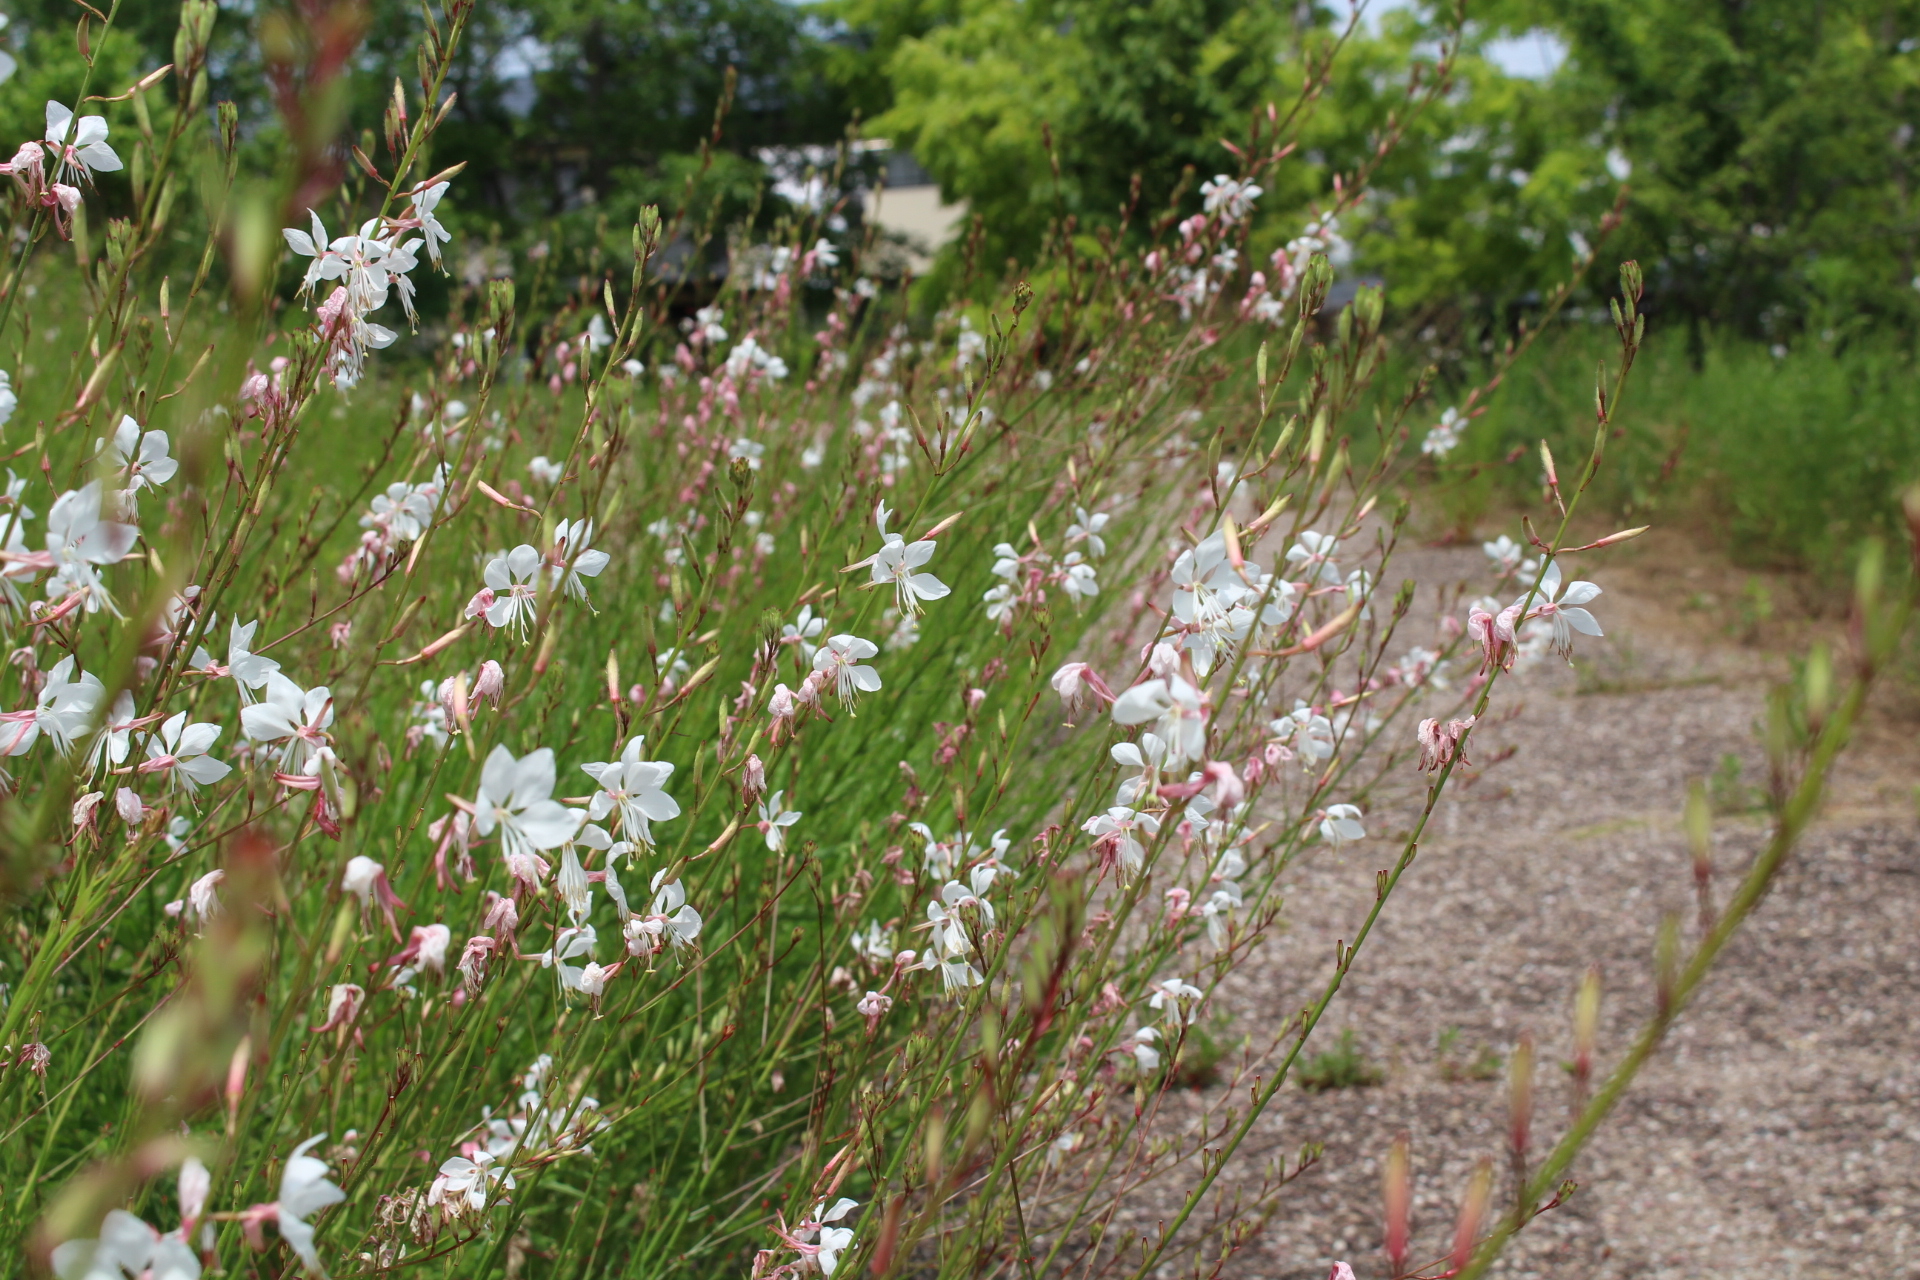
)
(1777, 1133)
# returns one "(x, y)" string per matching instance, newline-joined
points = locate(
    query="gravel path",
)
(1777, 1134)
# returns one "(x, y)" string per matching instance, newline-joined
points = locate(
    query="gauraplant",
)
(635, 781)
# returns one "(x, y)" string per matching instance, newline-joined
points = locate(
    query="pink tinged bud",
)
(974, 698)
(1473, 1210)
(490, 684)
(1520, 1101)
(1397, 1190)
(127, 803)
(1341, 1271)
(237, 1078)
(754, 779)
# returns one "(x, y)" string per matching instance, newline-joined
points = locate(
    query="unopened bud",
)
(127, 803)
(1520, 1100)
(1396, 1187)
(1586, 1027)
(1473, 1210)
(237, 1080)
(753, 779)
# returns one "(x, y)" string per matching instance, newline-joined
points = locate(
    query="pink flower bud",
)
(127, 803)
(490, 684)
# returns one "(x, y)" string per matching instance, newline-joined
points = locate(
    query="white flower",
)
(1218, 909)
(248, 669)
(1313, 555)
(1079, 579)
(1214, 602)
(514, 581)
(774, 821)
(841, 657)
(9, 401)
(1231, 199)
(63, 710)
(1508, 558)
(114, 737)
(425, 204)
(79, 540)
(1563, 611)
(1145, 760)
(575, 556)
(834, 1241)
(1086, 527)
(544, 470)
(305, 1191)
(1140, 1043)
(287, 713)
(127, 1246)
(1341, 825)
(1445, 435)
(634, 788)
(569, 944)
(802, 630)
(1176, 1000)
(749, 355)
(896, 562)
(89, 149)
(670, 918)
(1117, 827)
(180, 751)
(515, 796)
(463, 1181)
(1308, 732)
(1177, 705)
(143, 457)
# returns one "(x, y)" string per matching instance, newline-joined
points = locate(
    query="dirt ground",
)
(1778, 1133)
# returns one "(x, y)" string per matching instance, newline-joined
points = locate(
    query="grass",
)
(1784, 458)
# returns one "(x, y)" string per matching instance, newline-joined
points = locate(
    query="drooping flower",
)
(304, 1191)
